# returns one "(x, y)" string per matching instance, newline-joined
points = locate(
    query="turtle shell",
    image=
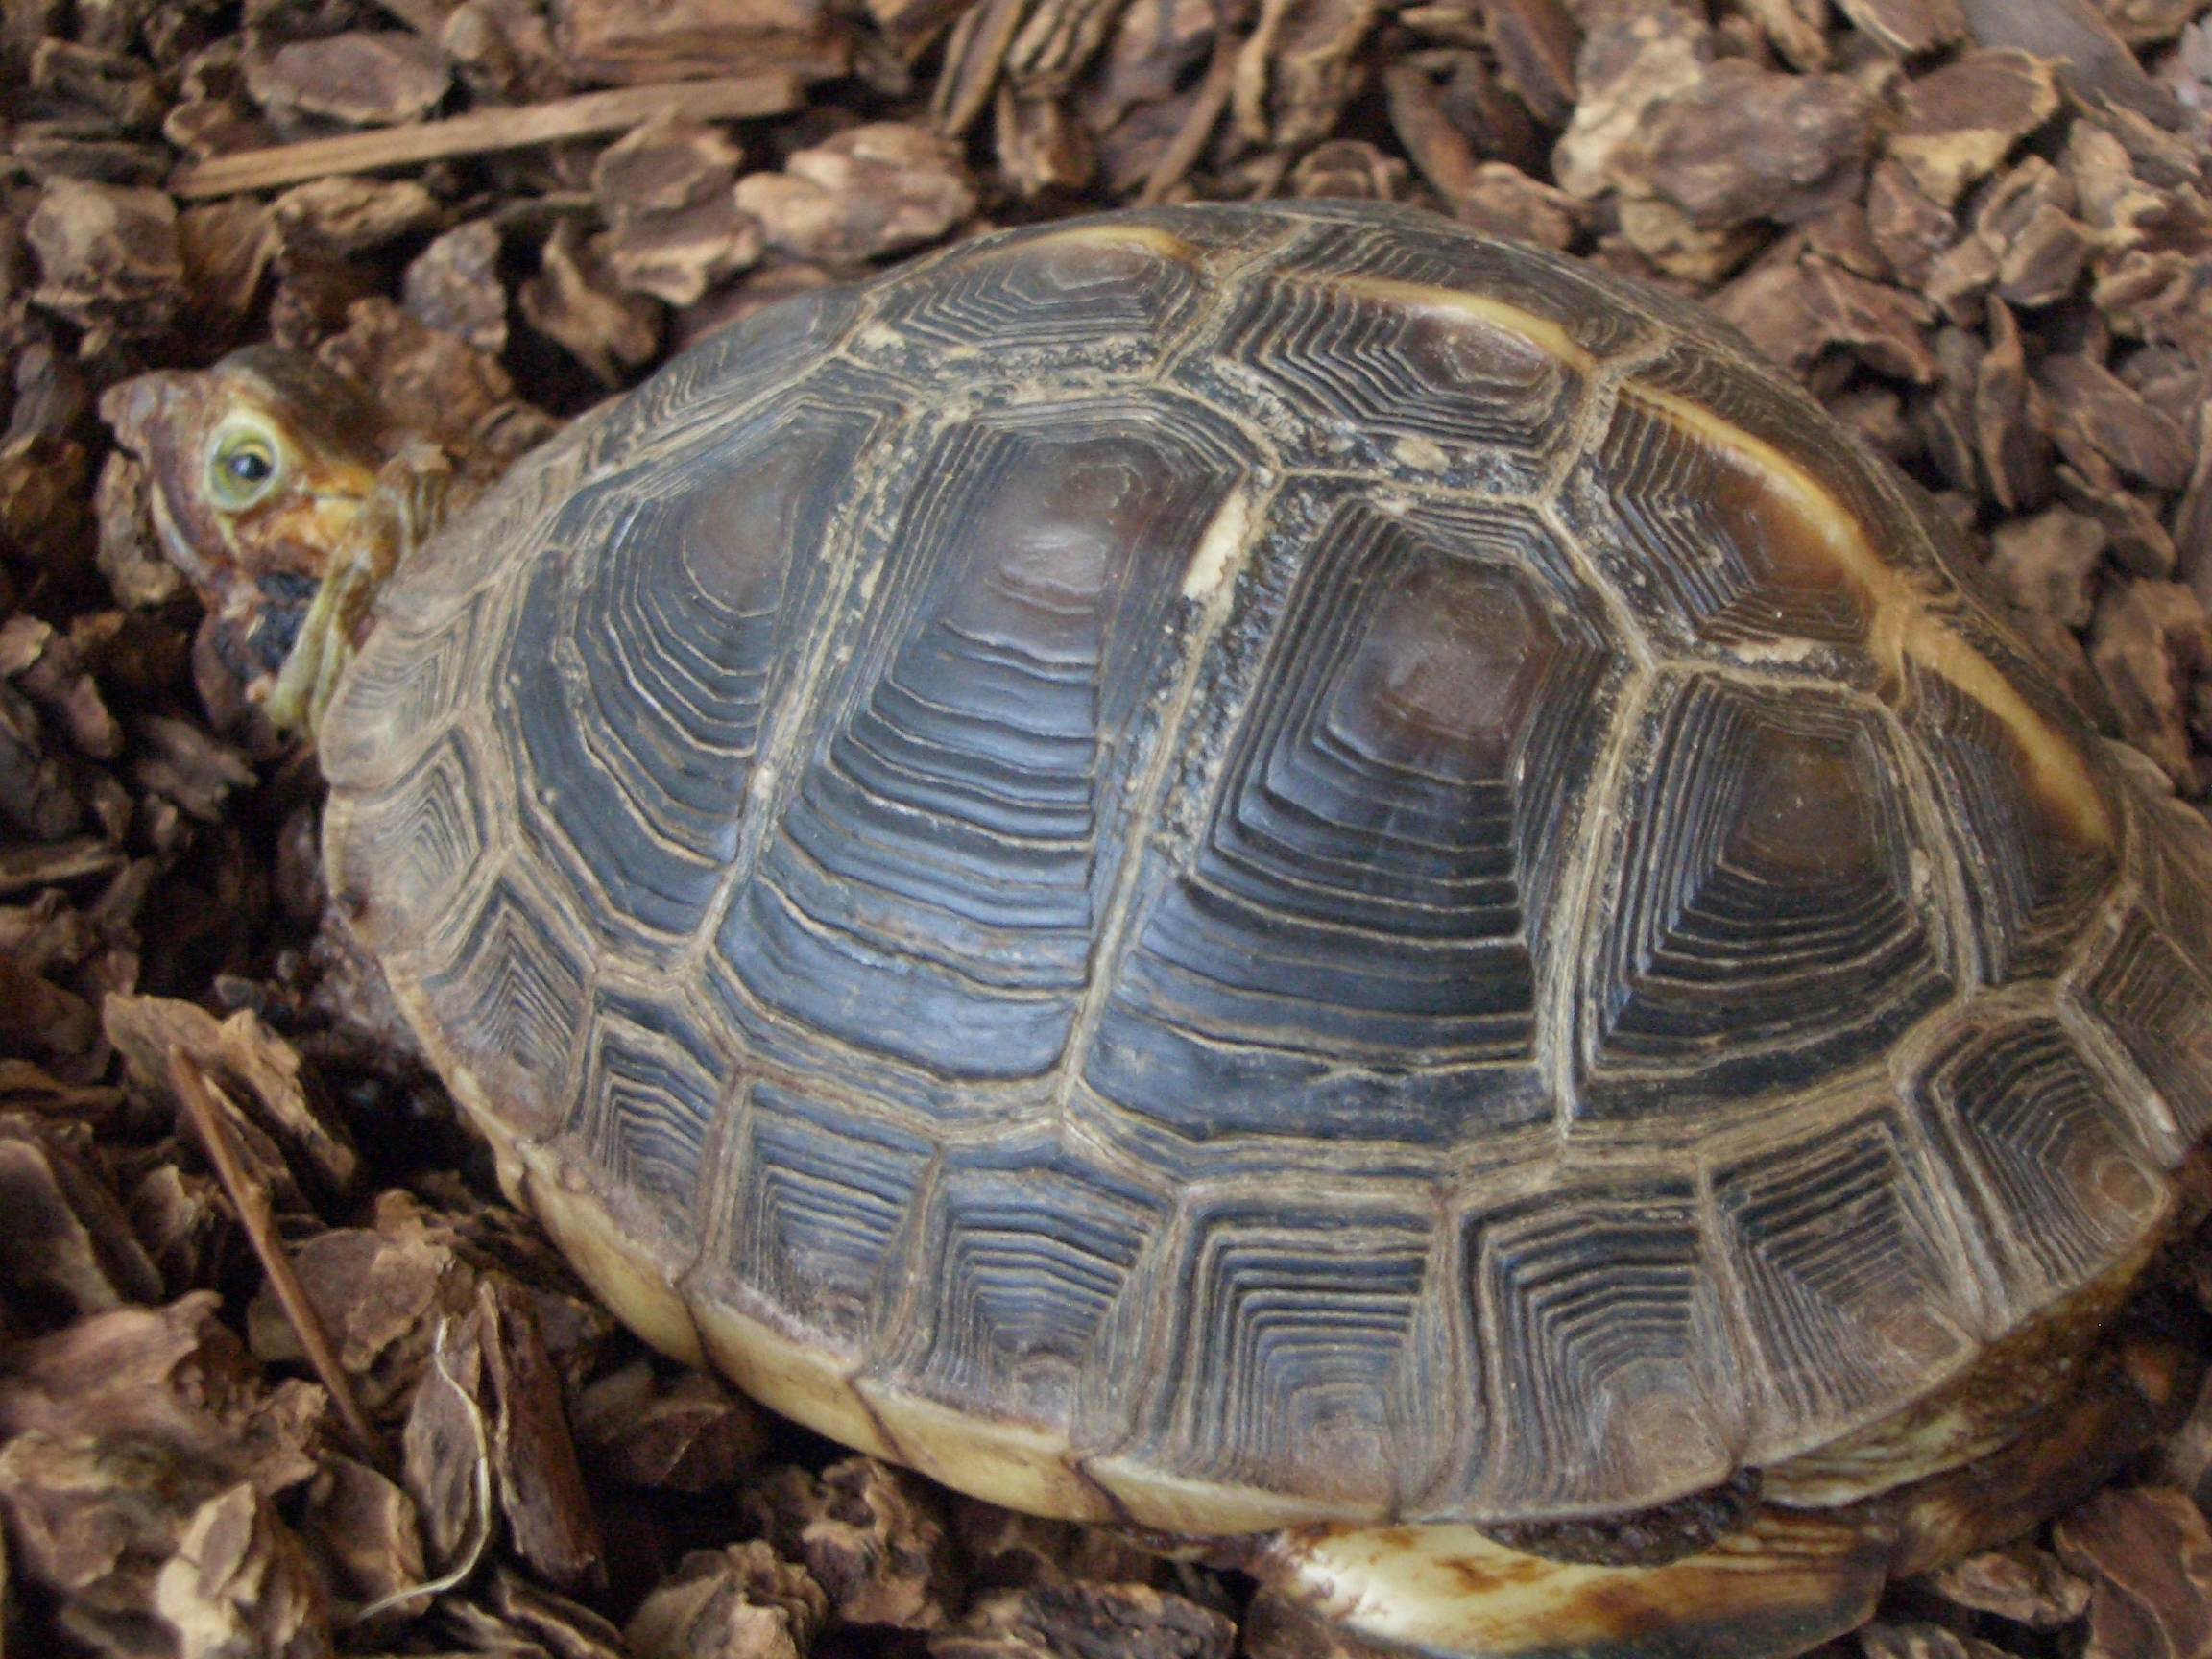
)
(1234, 865)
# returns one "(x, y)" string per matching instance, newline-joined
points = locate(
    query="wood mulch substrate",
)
(1980, 230)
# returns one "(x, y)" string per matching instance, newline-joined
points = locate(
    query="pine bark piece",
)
(2141, 23)
(91, 1523)
(1294, 75)
(172, 1377)
(2148, 1555)
(238, 1051)
(109, 258)
(740, 1602)
(240, 1583)
(26, 867)
(180, 761)
(186, 1226)
(447, 1444)
(727, 97)
(346, 215)
(1505, 201)
(430, 383)
(1039, 146)
(67, 1251)
(2015, 454)
(1907, 28)
(2193, 512)
(548, 1623)
(1963, 120)
(870, 1535)
(364, 1528)
(574, 301)
(1276, 1627)
(1748, 144)
(1085, 1620)
(1430, 136)
(40, 1017)
(2140, 542)
(1796, 29)
(1153, 45)
(228, 248)
(690, 1434)
(1907, 227)
(1624, 69)
(380, 1295)
(2094, 62)
(504, 52)
(870, 191)
(453, 286)
(1535, 42)
(2020, 1582)
(675, 229)
(1006, 1549)
(541, 1493)
(362, 78)
(2045, 565)
(1797, 308)
(2094, 410)
(2150, 640)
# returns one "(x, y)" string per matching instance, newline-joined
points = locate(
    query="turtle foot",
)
(1779, 1585)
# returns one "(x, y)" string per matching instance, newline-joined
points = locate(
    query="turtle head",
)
(259, 465)
(260, 470)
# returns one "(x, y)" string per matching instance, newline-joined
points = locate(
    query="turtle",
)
(1292, 878)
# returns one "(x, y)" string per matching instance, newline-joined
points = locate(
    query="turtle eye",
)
(243, 463)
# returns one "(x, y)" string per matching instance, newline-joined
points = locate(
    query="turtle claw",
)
(1780, 1585)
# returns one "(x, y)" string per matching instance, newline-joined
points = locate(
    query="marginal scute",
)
(413, 846)
(400, 697)
(791, 1376)
(818, 1218)
(1012, 1464)
(1024, 1319)
(1306, 1344)
(1615, 1383)
(510, 1002)
(1854, 1291)
(1763, 921)
(1783, 1584)
(605, 1255)
(2060, 1183)
(2159, 1008)
(651, 1093)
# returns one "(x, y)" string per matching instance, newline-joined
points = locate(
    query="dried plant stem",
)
(199, 1093)
(585, 115)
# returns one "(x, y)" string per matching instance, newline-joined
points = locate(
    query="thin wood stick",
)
(198, 1091)
(1197, 127)
(728, 97)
